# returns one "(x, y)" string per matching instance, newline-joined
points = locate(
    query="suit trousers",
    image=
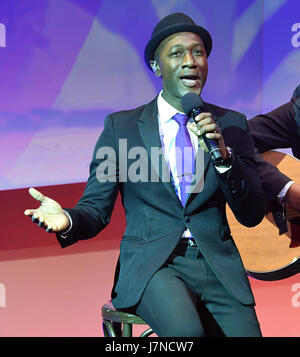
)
(186, 299)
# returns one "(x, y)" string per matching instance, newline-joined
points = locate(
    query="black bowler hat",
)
(177, 22)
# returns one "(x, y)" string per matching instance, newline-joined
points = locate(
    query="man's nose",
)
(189, 60)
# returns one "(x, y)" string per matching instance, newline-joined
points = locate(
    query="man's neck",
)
(174, 103)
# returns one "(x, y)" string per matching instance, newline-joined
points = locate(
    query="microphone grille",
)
(191, 101)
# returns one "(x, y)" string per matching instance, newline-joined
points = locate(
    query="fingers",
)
(29, 212)
(213, 135)
(206, 125)
(35, 214)
(38, 218)
(204, 116)
(205, 122)
(37, 195)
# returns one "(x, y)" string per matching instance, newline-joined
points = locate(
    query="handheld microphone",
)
(193, 105)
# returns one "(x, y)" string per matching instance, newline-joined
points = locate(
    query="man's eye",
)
(198, 51)
(175, 54)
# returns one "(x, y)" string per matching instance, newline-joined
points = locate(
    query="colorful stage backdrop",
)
(65, 65)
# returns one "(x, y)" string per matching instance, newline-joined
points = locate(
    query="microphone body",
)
(211, 144)
(192, 106)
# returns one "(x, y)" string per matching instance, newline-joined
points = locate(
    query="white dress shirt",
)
(168, 128)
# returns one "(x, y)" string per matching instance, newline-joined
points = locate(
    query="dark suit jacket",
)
(154, 215)
(277, 129)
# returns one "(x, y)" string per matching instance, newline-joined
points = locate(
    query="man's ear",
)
(155, 68)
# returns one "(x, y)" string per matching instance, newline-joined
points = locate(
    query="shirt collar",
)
(165, 110)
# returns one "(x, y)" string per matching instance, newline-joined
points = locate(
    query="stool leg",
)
(117, 326)
(127, 330)
(108, 329)
(147, 333)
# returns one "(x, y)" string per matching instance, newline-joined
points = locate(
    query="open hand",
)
(49, 215)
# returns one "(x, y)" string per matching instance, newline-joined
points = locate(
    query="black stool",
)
(119, 324)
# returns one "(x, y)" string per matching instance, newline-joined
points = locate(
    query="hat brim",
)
(158, 38)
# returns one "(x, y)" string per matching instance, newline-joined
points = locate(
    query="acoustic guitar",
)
(266, 254)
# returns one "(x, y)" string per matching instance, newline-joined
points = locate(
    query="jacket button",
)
(187, 219)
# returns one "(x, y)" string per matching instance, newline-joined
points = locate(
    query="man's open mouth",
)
(190, 80)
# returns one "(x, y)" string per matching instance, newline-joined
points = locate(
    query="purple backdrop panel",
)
(66, 64)
(281, 52)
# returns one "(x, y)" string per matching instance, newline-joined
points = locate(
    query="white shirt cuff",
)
(223, 169)
(284, 191)
(63, 234)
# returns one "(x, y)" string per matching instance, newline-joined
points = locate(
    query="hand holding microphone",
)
(206, 128)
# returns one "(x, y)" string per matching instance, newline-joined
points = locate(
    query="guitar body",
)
(266, 255)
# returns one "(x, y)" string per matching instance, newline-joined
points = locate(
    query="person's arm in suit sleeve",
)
(240, 184)
(93, 211)
(296, 104)
(273, 181)
(279, 128)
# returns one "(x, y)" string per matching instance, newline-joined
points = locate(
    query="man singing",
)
(178, 268)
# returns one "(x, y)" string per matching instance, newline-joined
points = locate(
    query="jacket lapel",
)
(149, 131)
